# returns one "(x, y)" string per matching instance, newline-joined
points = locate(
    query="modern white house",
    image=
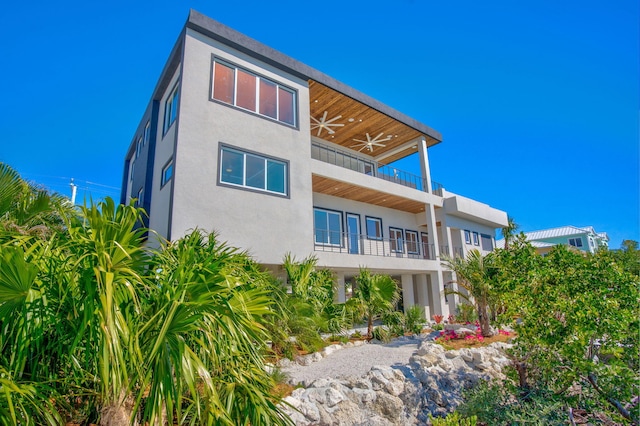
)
(584, 239)
(277, 158)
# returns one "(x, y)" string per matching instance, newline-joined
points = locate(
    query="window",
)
(467, 236)
(328, 226)
(487, 242)
(139, 147)
(253, 171)
(396, 240)
(171, 108)
(147, 133)
(236, 86)
(476, 240)
(139, 197)
(575, 242)
(167, 173)
(374, 228)
(412, 242)
(133, 167)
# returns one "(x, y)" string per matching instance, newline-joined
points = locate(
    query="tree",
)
(474, 275)
(509, 231)
(373, 296)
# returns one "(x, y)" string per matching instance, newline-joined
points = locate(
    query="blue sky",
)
(537, 101)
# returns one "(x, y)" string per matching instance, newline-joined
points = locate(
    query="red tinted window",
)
(246, 95)
(223, 83)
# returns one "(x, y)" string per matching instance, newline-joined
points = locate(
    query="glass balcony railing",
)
(369, 167)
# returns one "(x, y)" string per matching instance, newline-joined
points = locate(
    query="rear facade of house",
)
(278, 158)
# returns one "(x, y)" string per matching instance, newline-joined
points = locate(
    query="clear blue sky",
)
(537, 101)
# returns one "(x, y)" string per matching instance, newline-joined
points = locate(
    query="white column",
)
(407, 291)
(422, 294)
(440, 307)
(340, 293)
(424, 163)
(433, 230)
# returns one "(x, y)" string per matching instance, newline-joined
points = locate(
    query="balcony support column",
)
(424, 163)
(422, 295)
(340, 296)
(407, 291)
(440, 306)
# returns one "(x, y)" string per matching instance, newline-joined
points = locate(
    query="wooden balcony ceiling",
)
(324, 185)
(357, 120)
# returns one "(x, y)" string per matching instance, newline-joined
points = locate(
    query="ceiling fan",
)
(371, 142)
(325, 124)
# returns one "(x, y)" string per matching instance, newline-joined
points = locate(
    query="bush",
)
(414, 320)
(382, 334)
(466, 313)
(453, 419)
(395, 321)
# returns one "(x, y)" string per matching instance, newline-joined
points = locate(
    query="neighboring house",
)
(277, 157)
(583, 239)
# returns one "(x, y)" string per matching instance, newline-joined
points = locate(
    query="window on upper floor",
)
(476, 239)
(253, 171)
(467, 236)
(139, 147)
(412, 242)
(171, 108)
(396, 240)
(147, 133)
(575, 242)
(139, 199)
(487, 242)
(167, 173)
(236, 86)
(327, 226)
(374, 228)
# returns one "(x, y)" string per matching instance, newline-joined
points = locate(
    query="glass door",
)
(353, 231)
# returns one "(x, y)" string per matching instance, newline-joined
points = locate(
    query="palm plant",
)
(473, 274)
(509, 231)
(373, 296)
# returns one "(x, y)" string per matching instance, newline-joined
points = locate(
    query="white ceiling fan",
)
(371, 142)
(325, 124)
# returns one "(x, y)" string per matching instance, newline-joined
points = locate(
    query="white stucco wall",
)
(267, 226)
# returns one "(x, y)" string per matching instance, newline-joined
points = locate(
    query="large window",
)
(487, 242)
(171, 108)
(396, 240)
(253, 171)
(412, 242)
(236, 86)
(328, 226)
(374, 228)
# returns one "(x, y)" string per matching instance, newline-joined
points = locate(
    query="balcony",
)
(367, 166)
(359, 244)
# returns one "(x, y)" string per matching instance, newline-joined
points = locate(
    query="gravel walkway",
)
(354, 361)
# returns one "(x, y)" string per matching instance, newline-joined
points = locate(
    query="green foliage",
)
(453, 419)
(466, 313)
(382, 334)
(495, 404)
(395, 322)
(90, 317)
(579, 322)
(373, 296)
(475, 274)
(414, 320)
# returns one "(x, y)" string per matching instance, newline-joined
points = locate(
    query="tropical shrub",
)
(373, 296)
(414, 320)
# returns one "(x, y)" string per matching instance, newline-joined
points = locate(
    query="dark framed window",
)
(241, 88)
(396, 240)
(374, 227)
(147, 133)
(167, 173)
(327, 226)
(487, 242)
(139, 197)
(171, 108)
(253, 171)
(412, 242)
(575, 242)
(467, 236)
(476, 239)
(139, 147)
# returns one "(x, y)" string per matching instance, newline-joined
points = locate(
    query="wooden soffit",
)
(347, 120)
(336, 188)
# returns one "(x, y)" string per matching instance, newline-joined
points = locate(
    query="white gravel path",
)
(354, 361)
